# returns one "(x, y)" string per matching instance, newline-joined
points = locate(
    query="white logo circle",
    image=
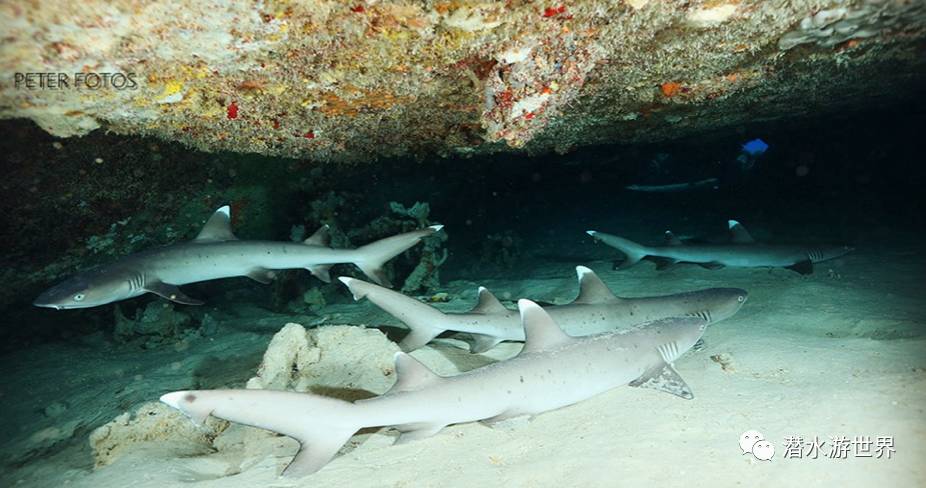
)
(763, 450)
(749, 438)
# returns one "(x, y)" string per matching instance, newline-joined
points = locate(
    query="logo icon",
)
(763, 450)
(753, 442)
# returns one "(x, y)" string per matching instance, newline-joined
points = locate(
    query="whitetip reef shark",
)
(595, 310)
(216, 253)
(553, 370)
(712, 183)
(742, 252)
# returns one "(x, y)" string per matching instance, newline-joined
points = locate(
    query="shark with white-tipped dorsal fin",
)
(216, 253)
(741, 252)
(596, 309)
(553, 370)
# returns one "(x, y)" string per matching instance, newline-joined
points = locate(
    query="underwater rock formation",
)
(329, 80)
(151, 422)
(342, 361)
(426, 275)
(158, 323)
(325, 360)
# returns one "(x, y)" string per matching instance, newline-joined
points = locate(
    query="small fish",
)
(755, 147)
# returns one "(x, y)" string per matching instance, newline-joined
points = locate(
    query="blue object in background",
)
(755, 147)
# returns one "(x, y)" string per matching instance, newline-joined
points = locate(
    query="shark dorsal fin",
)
(739, 234)
(488, 304)
(672, 240)
(540, 332)
(411, 375)
(319, 238)
(591, 288)
(218, 227)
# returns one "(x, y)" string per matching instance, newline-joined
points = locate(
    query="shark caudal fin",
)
(424, 320)
(371, 258)
(322, 425)
(632, 251)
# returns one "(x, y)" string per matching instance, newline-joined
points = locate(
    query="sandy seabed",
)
(839, 353)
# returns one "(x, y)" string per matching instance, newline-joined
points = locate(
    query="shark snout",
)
(740, 295)
(46, 300)
(726, 302)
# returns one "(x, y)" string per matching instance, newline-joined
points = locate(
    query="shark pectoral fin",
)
(504, 418)
(803, 267)
(488, 304)
(315, 451)
(591, 288)
(482, 343)
(663, 264)
(414, 432)
(321, 271)
(664, 378)
(319, 238)
(711, 265)
(261, 275)
(411, 375)
(738, 233)
(171, 293)
(217, 228)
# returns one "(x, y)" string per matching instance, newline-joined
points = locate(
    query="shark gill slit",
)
(136, 281)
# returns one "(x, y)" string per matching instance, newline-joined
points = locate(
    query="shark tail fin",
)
(322, 425)
(632, 251)
(372, 257)
(423, 320)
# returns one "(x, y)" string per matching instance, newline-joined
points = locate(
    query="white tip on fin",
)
(739, 233)
(436, 228)
(319, 238)
(540, 332)
(354, 286)
(591, 288)
(488, 303)
(591, 232)
(218, 227)
(672, 240)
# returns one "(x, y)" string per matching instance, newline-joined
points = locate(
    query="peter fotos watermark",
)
(74, 81)
(837, 447)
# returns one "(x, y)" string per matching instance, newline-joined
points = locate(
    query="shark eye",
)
(741, 299)
(78, 297)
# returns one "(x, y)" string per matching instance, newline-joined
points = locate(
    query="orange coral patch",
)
(670, 89)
